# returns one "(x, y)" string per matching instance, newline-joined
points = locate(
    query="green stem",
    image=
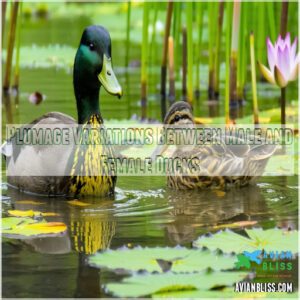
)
(284, 18)
(233, 58)
(282, 102)
(253, 80)
(128, 33)
(211, 29)
(261, 39)
(177, 37)
(241, 67)
(3, 7)
(17, 63)
(164, 59)
(10, 46)
(144, 73)
(217, 51)
(228, 43)
(199, 17)
(152, 55)
(189, 17)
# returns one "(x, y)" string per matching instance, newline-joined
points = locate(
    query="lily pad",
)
(30, 213)
(270, 240)
(13, 227)
(159, 259)
(144, 285)
(9, 223)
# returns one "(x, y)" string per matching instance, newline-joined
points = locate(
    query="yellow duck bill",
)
(108, 78)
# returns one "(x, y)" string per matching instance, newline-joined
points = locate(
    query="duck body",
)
(217, 165)
(72, 170)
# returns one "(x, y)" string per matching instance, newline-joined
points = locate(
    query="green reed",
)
(10, 45)
(253, 79)
(189, 26)
(128, 33)
(216, 78)
(199, 22)
(228, 48)
(144, 59)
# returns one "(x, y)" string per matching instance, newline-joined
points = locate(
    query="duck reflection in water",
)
(197, 212)
(90, 229)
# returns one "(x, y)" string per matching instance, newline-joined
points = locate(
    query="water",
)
(144, 211)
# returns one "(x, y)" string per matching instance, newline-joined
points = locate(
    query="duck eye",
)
(92, 46)
(177, 118)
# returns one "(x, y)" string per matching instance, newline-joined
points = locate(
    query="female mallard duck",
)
(92, 68)
(215, 165)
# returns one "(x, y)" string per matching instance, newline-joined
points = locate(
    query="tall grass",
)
(144, 72)
(18, 45)
(177, 37)
(184, 63)
(10, 45)
(3, 15)
(171, 70)
(228, 46)
(216, 78)
(253, 79)
(152, 54)
(242, 53)
(164, 59)
(128, 33)
(212, 12)
(233, 58)
(189, 20)
(199, 22)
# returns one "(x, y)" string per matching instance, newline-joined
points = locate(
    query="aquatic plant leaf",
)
(78, 203)
(30, 213)
(15, 227)
(11, 222)
(221, 294)
(159, 259)
(270, 240)
(144, 285)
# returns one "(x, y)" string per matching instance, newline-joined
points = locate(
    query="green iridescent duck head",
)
(93, 69)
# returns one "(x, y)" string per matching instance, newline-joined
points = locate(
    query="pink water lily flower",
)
(283, 61)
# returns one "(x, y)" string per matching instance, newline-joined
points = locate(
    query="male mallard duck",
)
(219, 164)
(92, 68)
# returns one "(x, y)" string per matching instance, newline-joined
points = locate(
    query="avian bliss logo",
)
(268, 261)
